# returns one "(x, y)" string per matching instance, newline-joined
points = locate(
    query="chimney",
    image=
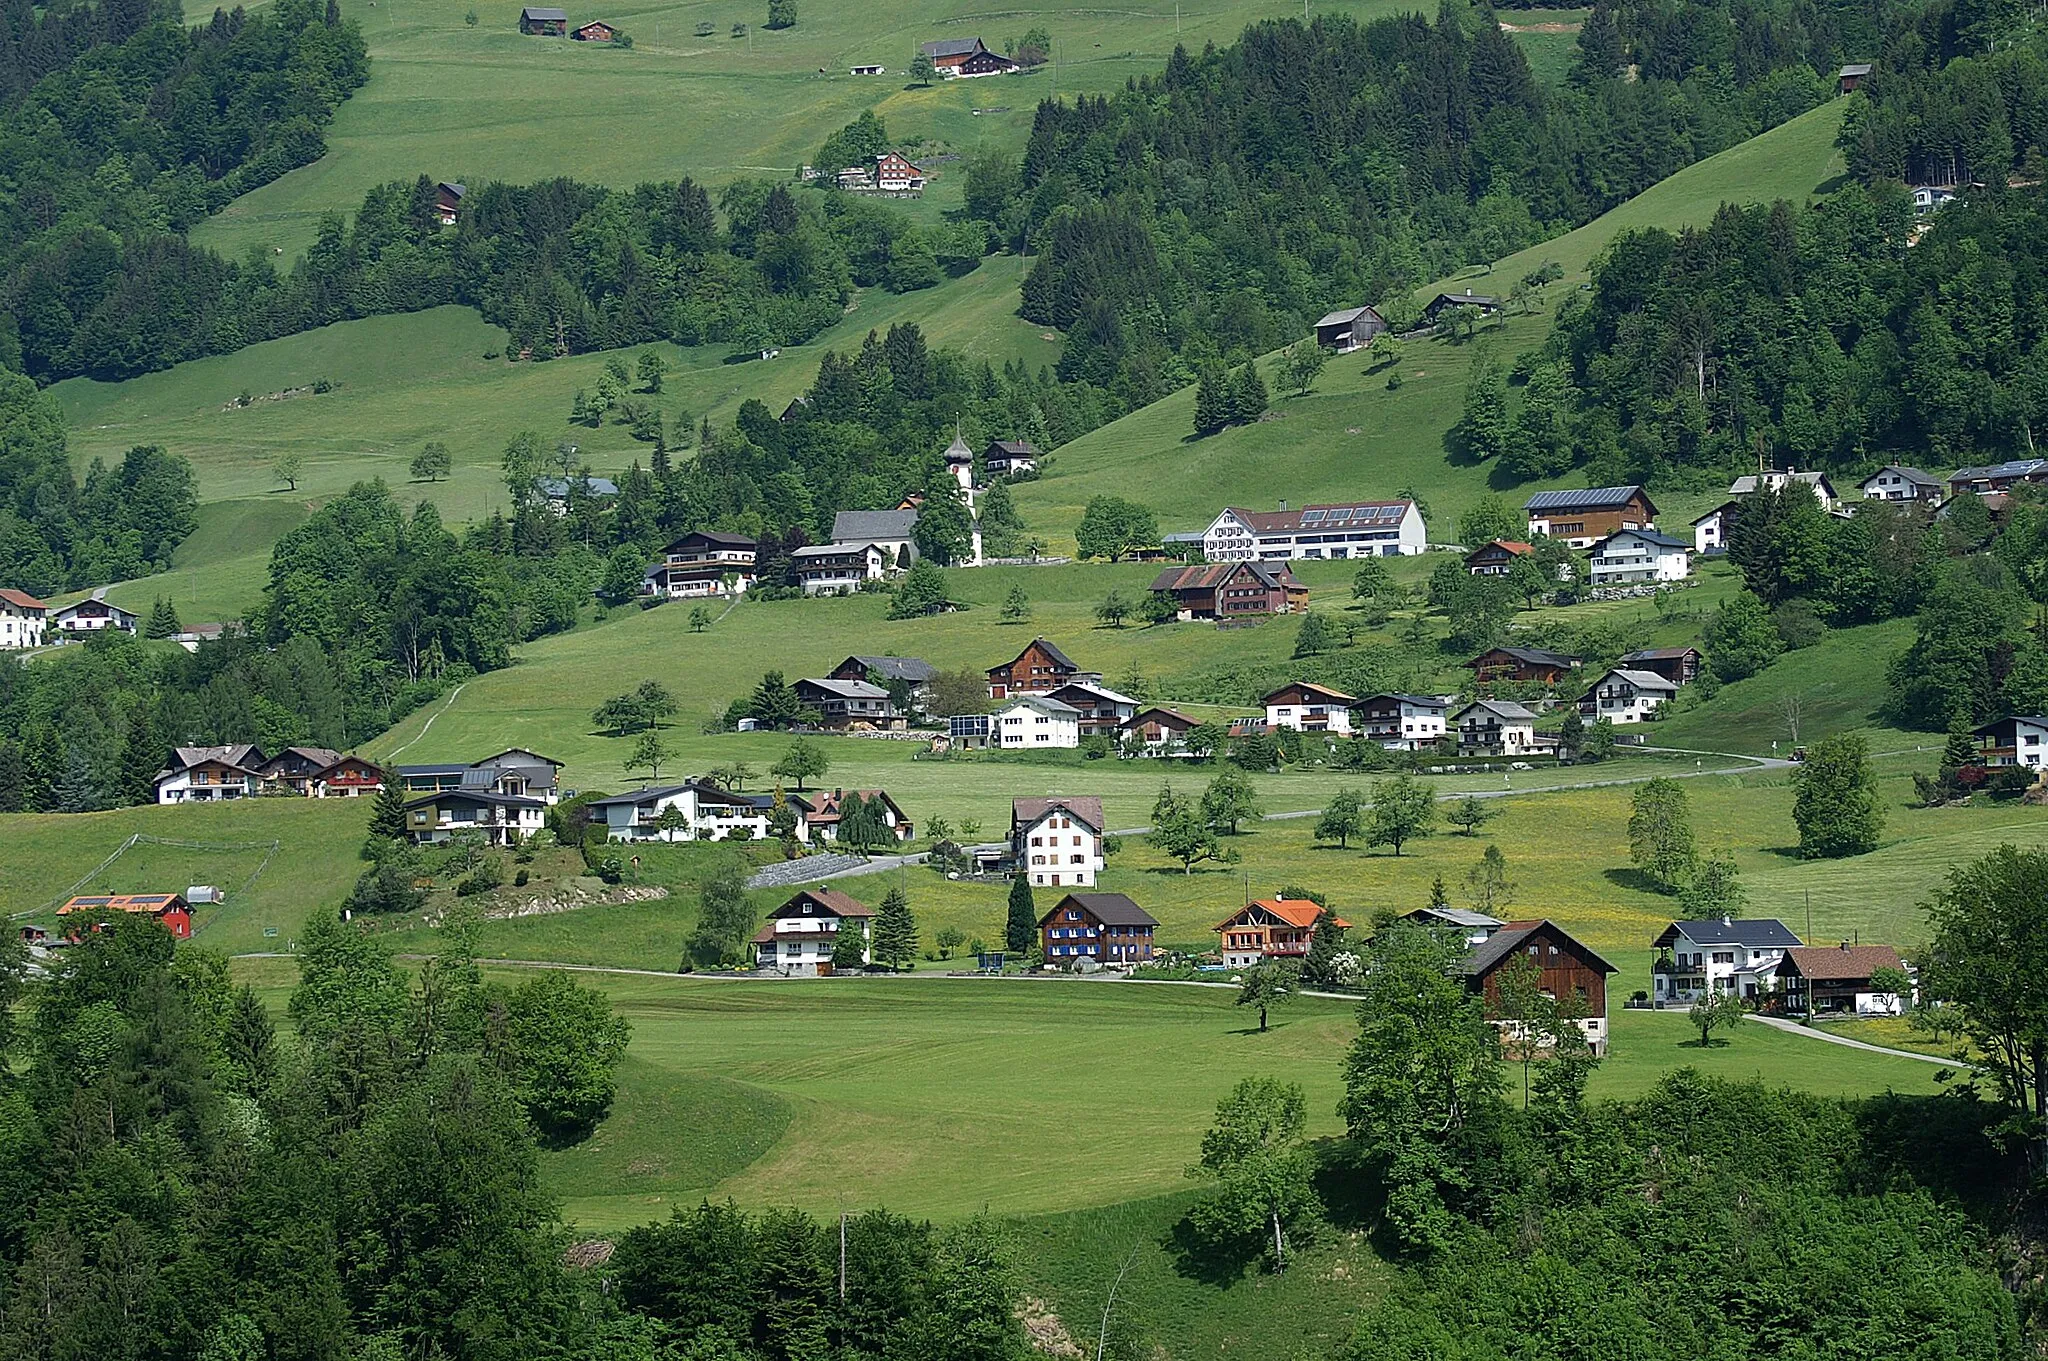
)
(1845, 945)
(1283, 503)
(1725, 921)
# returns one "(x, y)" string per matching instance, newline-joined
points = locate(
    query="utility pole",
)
(842, 1256)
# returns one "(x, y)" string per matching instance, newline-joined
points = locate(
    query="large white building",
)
(22, 620)
(705, 813)
(1898, 482)
(829, 568)
(1034, 723)
(90, 616)
(1308, 707)
(1629, 556)
(1496, 727)
(210, 774)
(1720, 955)
(1057, 841)
(1355, 529)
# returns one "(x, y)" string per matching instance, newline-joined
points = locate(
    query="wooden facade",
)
(596, 31)
(1566, 970)
(1106, 927)
(1522, 664)
(1039, 669)
(542, 22)
(349, 778)
(1495, 559)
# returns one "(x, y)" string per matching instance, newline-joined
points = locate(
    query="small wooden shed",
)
(545, 23)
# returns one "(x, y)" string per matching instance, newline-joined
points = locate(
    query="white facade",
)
(1402, 722)
(1722, 956)
(22, 619)
(1495, 727)
(1309, 708)
(208, 782)
(1360, 529)
(1777, 480)
(1895, 482)
(799, 939)
(1626, 696)
(831, 568)
(1059, 850)
(2015, 741)
(1637, 555)
(1034, 723)
(710, 815)
(1710, 531)
(90, 616)
(499, 819)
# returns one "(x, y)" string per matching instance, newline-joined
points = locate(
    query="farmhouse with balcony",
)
(799, 937)
(1039, 669)
(1565, 969)
(348, 778)
(1679, 665)
(500, 819)
(1898, 482)
(1719, 954)
(1269, 928)
(844, 704)
(2015, 740)
(1998, 477)
(1630, 556)
(1522, 664)
(1433, 311)
(704, 562)
(210, 774)
(1401, 722)
(515, 772)
(1498, 727)
(832, 569)
(957, 57)
(1309, 707)
(1496, 559)
(1622, 695)
(1585, 515)
(706, 812)
(1007, 457)
(1107, 928)
(91, 616)
(448, 197)
(1820, 980)
(1099, 709)
(296, 768)
(1232, 590)
(1159, 728)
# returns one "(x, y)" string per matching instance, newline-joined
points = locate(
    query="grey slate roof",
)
(914, 670)
(1754, 933)
(872, 526)
(1508, 939)
(1912, 475)
(535, 12)
(1535, 656)
(1455, 916)
(1641, 680)
(1654, 536)
(1584, 498)
(1499, 708)
(1111, 909)
(951, 47)
(1340, 317)
(846, 689)
(557, 489)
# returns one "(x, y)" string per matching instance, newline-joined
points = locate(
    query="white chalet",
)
(705, 562)
(2015, 741)
(22, 620)
(210, 774)
(1496, 727)
(1777, 480)
(1710, 531)
(799, 936)
(1034, 723)
(1401, 722)
(1625, 696)
(709, 813)
(828, 569)
(1310, 708)
(90, 616)
(1637, 555)
(1721, 954)
(1897, 482)
(1355, 529)
(1056, 841)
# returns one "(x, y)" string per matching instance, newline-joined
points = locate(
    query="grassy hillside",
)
(452, 101)
(1354, 437)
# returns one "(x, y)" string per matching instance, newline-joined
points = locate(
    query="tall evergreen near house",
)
(387, 812)
(141, 758)
(43, 765)
(1021, 929)
(76, 791)
(895, 931)
(163, 619)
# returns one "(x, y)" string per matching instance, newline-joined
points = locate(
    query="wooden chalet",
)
(1522, 664)
(1566, 970)
(1582, 516)
(1159, 727)
(953, 57)
(348, 778)
(297, 767)
(1851, 77)
(894, 174)
(596, 31)
(90, 914)
(1496, 559)
(1039, 669)
(1269, 928)
(1679, 665)
(1232, 590)
(448, 197)
(1816, 980)
(539, 22)
(1105, 927)
(1004, 457)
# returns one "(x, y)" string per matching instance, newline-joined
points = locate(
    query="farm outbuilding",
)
(543, 23)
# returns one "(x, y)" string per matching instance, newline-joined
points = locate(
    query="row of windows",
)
(1054, 860)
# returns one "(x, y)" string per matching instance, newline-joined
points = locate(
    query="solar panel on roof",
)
(1308, 515)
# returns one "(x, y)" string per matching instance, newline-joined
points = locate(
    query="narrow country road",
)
(1811, 1033)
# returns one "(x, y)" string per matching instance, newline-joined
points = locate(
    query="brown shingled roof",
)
(1841, 962)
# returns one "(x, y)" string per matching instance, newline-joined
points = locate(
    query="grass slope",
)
(451, 101)
(1352, 436)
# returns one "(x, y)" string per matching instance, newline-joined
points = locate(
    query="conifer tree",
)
(1212, 400)
(1022, 926)
(140, 758)
(1247, 395)
(163, 619)
(387, 813)
(895, 931)
(1320, 967)
(43, 762)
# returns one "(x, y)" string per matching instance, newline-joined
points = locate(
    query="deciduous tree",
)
(1660, 833)
(1835, 800)
(1403, 809)
(1263, 1171)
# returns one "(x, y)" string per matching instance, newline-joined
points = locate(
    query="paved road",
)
(1816, 1033)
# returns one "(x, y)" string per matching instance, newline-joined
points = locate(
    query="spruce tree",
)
(1961, 749)
(141, 758)
(387, 813)
(43, 766)
(12, 775)
(1247, 395)
(1212, 400)
(1320, 966)
(895, 931)
(163, 619)
(1022, 928)
(76, 791)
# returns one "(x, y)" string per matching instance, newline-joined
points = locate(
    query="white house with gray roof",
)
(1720, 954)
(1034, 723)
(1496, 727)
(1631, 556)
(1622, 696)
(890, 530)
